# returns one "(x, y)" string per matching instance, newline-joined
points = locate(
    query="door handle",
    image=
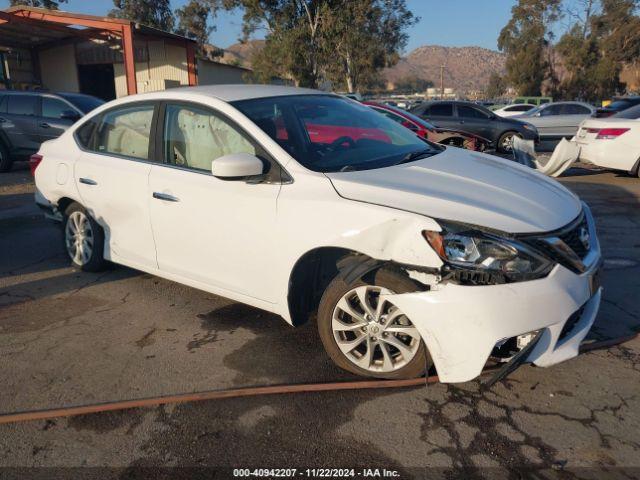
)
(88, 181)
(45, 125)
(165, 196)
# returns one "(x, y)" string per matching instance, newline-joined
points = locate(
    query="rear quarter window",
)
(85, 134)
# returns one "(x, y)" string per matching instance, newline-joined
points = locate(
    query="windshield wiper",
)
(410, 157)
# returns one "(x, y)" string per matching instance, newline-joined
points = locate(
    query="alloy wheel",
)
(79, 238)
(372, 333)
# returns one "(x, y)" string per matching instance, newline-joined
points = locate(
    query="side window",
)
(53, 108)
(440, 110)
(22, 104)
(126, 131)
(466, 111)
(573, 109)
(551, 110)
(84, 134)
(520, 108)
(194, 137)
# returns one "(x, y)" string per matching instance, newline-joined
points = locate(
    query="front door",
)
(212, 231)
(112, 176)
(51, 123)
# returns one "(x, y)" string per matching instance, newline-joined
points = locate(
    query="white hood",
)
(466, 187)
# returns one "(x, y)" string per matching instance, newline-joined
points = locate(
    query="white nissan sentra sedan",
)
(297, 201)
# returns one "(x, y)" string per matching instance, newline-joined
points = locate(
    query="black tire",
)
(95, 261)
(5, 159)
(390, 279)
(504, 138)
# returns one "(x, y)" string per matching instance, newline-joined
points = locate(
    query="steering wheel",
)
(340, 141)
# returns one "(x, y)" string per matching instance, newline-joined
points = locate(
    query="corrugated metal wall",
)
(58, 69)
(166, 68)
(20, 68)
(214, 73)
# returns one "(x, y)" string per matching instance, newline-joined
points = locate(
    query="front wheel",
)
(369, 336)
(83, 239)
(505, 143)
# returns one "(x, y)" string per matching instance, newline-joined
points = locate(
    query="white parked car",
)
(612, 142)
(294, 201)
(514, 109)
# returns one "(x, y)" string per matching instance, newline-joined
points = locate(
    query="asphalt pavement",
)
(72, 338)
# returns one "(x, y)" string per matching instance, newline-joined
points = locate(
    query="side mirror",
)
(70, 115)
(237, 166)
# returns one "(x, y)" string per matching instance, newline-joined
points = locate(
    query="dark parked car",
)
(619, 104)
(478, 120)
(29, 118)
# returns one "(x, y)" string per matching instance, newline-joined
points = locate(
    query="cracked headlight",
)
(476, 257)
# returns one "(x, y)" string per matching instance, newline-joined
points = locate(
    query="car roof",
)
(227, 93)
(232, 93)
(457, 102)
(41, 92)
(568, 102)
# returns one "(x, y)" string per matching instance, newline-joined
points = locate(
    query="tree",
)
(597, 47)
(310, 41)
(412, 84)
(496, 87)
(366, 36)
(293, 43)
(153, 13)
(526, 39)
(193, 21)
(51, 4)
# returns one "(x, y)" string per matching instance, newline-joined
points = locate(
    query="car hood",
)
(466, 187)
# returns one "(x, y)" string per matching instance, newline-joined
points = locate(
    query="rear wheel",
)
(367, 335)
(83, 239)
(505, 143)
(5, 159)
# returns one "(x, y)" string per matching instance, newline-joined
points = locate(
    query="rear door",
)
(441, 115)
(19, 122)
(51, 124)
(112, 175)
(573, 115)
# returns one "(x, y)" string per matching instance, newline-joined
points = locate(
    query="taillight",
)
(611, 133)
(34, 161)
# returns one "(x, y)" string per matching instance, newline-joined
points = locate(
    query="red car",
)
(444, 136)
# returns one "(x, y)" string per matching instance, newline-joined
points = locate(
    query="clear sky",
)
(443, 22)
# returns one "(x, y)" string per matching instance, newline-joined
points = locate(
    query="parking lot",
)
(71, 338)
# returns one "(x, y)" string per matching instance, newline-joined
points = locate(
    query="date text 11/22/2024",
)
(315, 473)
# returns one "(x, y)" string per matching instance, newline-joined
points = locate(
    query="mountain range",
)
(466, 69)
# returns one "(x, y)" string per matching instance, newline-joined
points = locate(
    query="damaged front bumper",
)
(461, 325)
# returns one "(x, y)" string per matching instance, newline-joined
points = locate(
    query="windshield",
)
(85, 103)
(326, 133)
(632, 113)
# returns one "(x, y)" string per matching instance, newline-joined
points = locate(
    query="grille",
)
(572, 238)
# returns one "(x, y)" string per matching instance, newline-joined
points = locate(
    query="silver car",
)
(557, 120)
